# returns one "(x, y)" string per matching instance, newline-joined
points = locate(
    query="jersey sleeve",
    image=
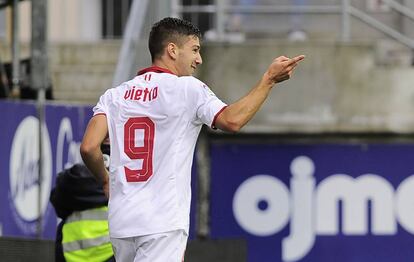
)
(207, 107)
(101, 106)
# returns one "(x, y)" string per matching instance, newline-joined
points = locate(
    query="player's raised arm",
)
(90, 149)
(236, 115)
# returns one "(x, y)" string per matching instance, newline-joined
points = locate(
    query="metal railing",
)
(383, 27)
(219, 10)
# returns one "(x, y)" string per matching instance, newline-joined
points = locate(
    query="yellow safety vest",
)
(86, 236)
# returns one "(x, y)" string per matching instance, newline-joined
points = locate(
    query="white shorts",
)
(163, 247)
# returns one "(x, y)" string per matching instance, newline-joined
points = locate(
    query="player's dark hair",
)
(169, 30)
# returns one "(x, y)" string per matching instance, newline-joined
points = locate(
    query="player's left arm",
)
(90, 149)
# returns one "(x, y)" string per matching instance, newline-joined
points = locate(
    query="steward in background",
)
(79, 200)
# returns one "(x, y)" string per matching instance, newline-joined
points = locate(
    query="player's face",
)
(189, 56)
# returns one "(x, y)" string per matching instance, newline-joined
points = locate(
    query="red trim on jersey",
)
(155, 69)
(213, 125)
(100, 114)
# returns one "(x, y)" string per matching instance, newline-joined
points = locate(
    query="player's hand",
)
(282, 68)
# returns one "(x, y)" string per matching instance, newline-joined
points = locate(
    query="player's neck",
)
(166, 65)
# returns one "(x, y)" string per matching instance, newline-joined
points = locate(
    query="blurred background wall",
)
(339, 87)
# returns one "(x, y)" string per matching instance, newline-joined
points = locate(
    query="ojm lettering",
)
(313, 210)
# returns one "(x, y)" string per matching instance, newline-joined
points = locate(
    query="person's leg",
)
(163, 247)
(124, 249)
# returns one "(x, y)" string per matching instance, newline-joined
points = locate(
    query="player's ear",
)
(172, 50)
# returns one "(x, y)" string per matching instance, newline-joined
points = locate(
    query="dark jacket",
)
(76, 190)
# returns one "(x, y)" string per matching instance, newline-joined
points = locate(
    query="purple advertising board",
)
(19, 184)
(19, 150)
(315, 202)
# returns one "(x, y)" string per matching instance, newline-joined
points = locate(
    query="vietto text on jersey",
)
(141, 94)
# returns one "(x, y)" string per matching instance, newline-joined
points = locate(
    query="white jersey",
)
(154, 121)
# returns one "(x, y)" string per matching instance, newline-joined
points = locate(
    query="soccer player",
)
(153, 122)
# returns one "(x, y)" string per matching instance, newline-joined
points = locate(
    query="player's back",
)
(153, 128)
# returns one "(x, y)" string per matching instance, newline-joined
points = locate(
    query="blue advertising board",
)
(321, 202)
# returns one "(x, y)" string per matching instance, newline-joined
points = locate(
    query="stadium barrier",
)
(35, 250)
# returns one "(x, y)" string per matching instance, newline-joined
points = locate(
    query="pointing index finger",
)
(298, 58)
(295, 60)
